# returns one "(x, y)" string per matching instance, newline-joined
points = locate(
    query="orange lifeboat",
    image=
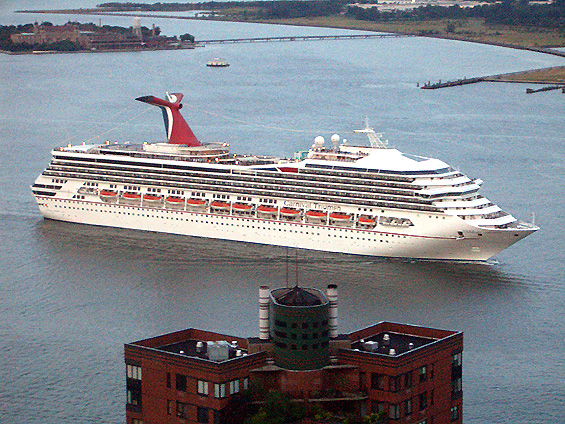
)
(195, 202)
(109, 196)
(267, 209)
(316, 214)
(290, 213)
(220, 205)
(151, 198)
(174, 202)
(108, 193)
(366, 220)
(242, 206)
(340, 216)
(131, 197)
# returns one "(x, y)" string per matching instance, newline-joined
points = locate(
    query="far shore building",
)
(413, 373)
(94, 40)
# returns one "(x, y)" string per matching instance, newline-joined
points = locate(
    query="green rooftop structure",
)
(299, 326)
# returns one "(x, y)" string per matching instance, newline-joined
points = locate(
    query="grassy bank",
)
(467, 29)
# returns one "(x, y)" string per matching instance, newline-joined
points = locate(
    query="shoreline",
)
(520, 76)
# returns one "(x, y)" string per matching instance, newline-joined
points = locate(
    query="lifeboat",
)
(339, 216)
(195, 204)
(316, 216)
(130, 198)
(267, 209)
(174, 202)
(366, 221)
(290, 213)
(151, 199)
(108, 196)
(242, 208)
(267, 212)
(223, 207)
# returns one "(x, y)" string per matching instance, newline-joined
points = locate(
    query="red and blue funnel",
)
(178, 131)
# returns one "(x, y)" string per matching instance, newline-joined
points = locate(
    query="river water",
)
(72, 295)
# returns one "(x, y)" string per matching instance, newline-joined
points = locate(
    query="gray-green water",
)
(71, 295)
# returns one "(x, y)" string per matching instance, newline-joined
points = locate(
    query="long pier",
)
(300, 38)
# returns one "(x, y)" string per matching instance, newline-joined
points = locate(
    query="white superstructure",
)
(359, 200)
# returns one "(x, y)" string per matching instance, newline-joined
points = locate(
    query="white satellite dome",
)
(319, 141)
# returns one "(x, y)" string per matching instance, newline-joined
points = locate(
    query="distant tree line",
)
(509, 12)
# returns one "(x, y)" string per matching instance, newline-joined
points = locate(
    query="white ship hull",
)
(374, 201)
(425, 240)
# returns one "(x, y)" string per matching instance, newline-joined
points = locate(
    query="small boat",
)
(174, 202)
(131, 198)
(195, 204)
(242, 208)
(217, 63)
(290, 213)
(316, 216)
(340, 216)
(222, 206)
(366, 220)
(151, 199)
(267, 209)
(108, 195)
(267, 212)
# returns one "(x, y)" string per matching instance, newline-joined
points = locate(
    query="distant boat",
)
(218, 63)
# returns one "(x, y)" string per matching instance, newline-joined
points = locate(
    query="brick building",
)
(412, 373)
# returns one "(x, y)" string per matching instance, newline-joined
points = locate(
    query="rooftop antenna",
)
(374, 138)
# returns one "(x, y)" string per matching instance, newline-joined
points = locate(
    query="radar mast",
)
(374, 138)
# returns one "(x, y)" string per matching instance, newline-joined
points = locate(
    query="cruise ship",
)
(366, 200)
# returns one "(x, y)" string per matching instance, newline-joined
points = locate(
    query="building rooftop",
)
(298, 296)
(221, 350)
(390, 343)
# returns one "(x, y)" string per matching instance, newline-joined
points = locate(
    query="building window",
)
(454, 413)
(423, 401)
(134, 396)
(245, 383)
(377, 407)
(377, 381)
(182, 409)
(202, 414)
(170, 406)
(423, 374)
(136, 421)
(407, 406)
(133, 372)
(457, 385)
(169, 380)
(219, 391)
(181, 383)
(457, 359)
(395, 384)
(394, 412)
(202, 387)
(408, 380)
(234, 387)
